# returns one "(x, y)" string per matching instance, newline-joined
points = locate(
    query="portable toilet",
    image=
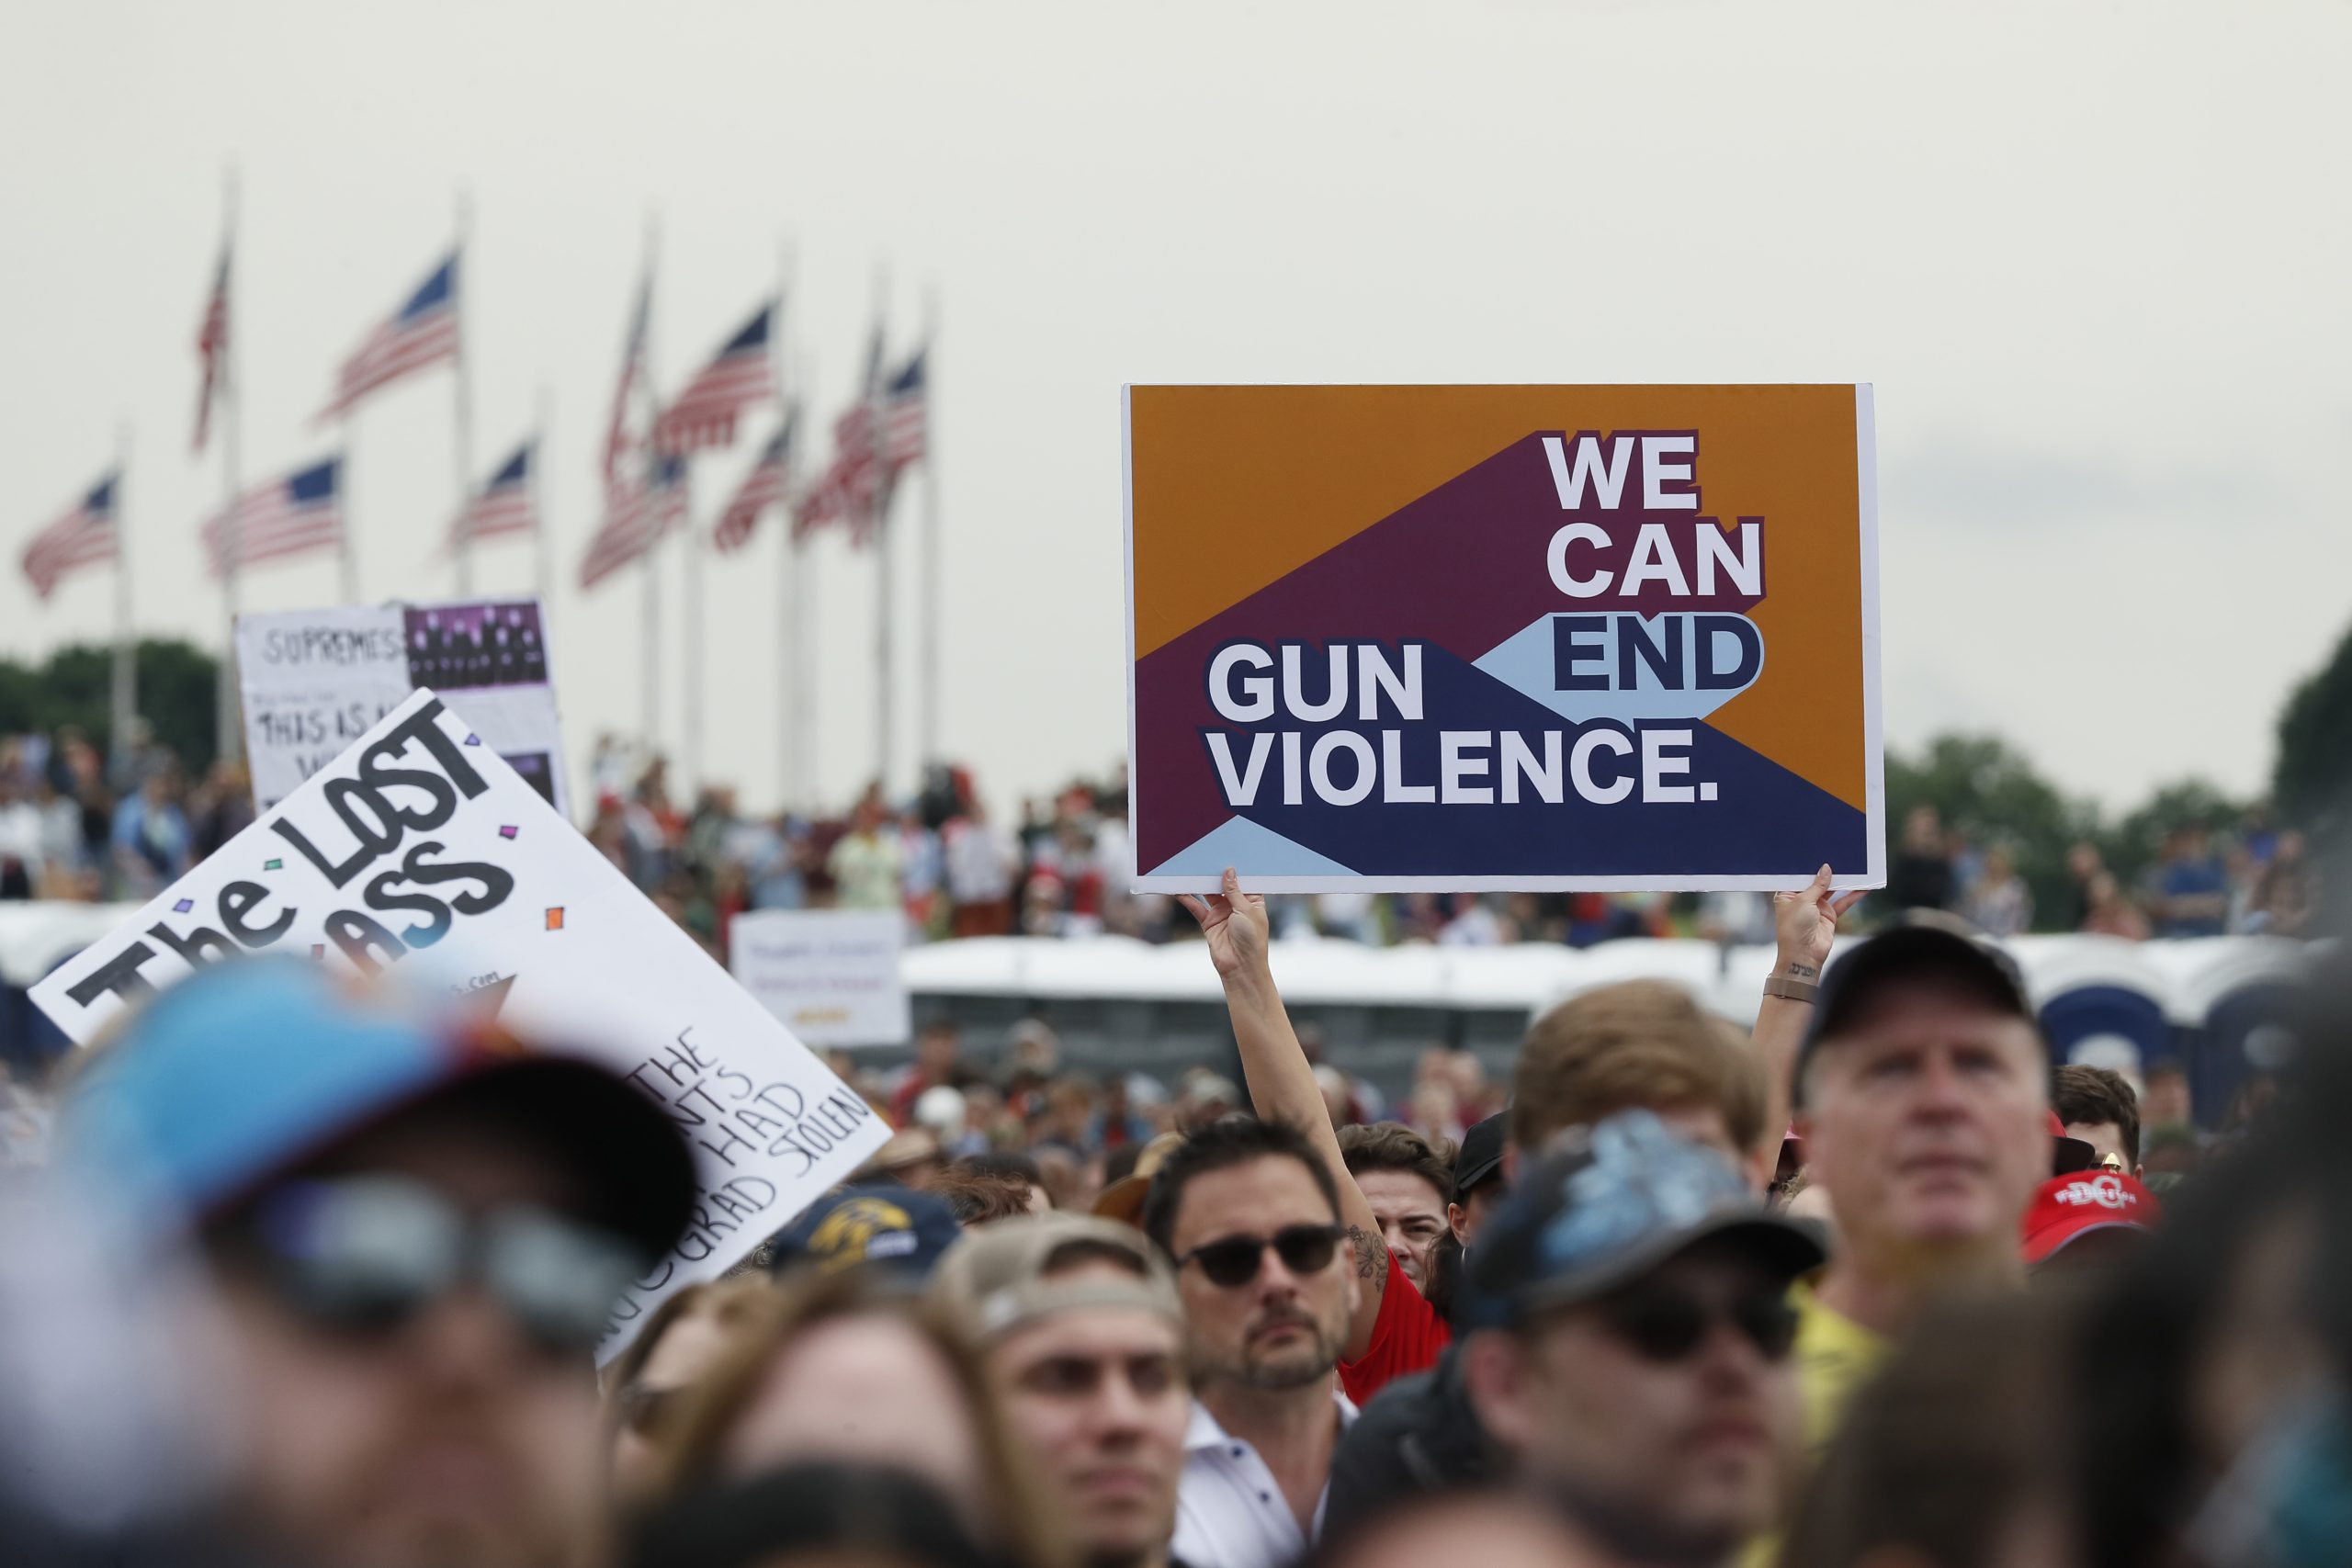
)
(2235, 996)
(2100, 1000)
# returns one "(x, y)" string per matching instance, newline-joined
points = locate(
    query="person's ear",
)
(1493, 1368)
(1458, 1220)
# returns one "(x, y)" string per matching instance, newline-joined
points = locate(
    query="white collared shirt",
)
(1230, 1512)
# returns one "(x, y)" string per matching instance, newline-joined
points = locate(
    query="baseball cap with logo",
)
(897, 1227)
(1611, 1202)
(256, 1066)
(2069, 1207)
(1001, 1277)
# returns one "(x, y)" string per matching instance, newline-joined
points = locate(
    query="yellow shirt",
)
(1835, 1356)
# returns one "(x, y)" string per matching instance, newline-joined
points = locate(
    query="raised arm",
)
(1803, 925)
(1282, 1084)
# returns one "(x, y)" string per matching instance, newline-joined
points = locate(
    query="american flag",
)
(423, 332)
(82, 538)
(638, 521)
(213, 349)
(741, 374)
(763, 486)
(285, 517)
(905, 416)
(850, 489)
(503, 505)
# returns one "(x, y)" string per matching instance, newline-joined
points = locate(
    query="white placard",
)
(315, 681)
(419, 848)
(829, 975)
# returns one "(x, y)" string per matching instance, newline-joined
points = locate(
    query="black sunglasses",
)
(1666, 1324)
(364, 1256)
(1232, 1262)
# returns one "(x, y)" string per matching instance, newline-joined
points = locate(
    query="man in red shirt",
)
(1391, 1330)
(1632, 1046)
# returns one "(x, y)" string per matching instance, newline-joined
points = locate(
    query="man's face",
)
(1097, 1397)
(449, 1440)
(1277, 1329)
(1412, 1219)
(2105, 1140)
(2167, 1101)
(1927, 1122)
(1469, 1215)
(1690, 1444)
(935, 1053)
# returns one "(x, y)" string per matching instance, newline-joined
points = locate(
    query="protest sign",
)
(1493, 637)
(419, 850)
(315, 681)
(830, 976)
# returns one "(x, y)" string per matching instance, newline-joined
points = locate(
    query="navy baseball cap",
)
(898, 1227)
(1918, 950)
(254, 1067)
(1612, 1201)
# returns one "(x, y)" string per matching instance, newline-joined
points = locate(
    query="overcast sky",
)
(2094, 257)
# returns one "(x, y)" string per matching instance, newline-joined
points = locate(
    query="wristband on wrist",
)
(1790, 990)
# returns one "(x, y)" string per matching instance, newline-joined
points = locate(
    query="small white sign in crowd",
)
(832, 975)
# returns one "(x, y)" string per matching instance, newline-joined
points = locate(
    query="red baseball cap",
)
(2081, 1201)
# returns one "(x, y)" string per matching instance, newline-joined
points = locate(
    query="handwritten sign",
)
(1494, 637)
(830, 976)
(315, 681)
(418, 849)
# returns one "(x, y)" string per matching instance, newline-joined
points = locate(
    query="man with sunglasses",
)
(419, 1234)
(1250, 1216)
(1629, 1354)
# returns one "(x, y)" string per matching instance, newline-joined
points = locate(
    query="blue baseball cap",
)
(254, 1067)
(896, 1227)
(1610, 1203)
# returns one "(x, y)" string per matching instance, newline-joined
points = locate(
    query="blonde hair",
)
(1640, 1045)
(772, 1317)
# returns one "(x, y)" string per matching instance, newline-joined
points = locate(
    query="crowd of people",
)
(73, 827)
(80, 828)
(1064, 870)
(1870, 1284)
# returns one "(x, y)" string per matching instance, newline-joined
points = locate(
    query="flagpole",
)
(546, 573)
(650, 721)
(929, 617)
(690, 747)
(788, 628)
(462, 406)
(126, 652)
(801, 571)
(350, 552)
(229, 739)
(884, 589)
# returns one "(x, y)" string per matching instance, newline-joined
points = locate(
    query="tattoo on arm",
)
(1799, 970)
(1371, 1257)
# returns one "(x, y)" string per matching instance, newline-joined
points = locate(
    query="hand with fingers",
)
(1805, 924)
(1235, 923)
